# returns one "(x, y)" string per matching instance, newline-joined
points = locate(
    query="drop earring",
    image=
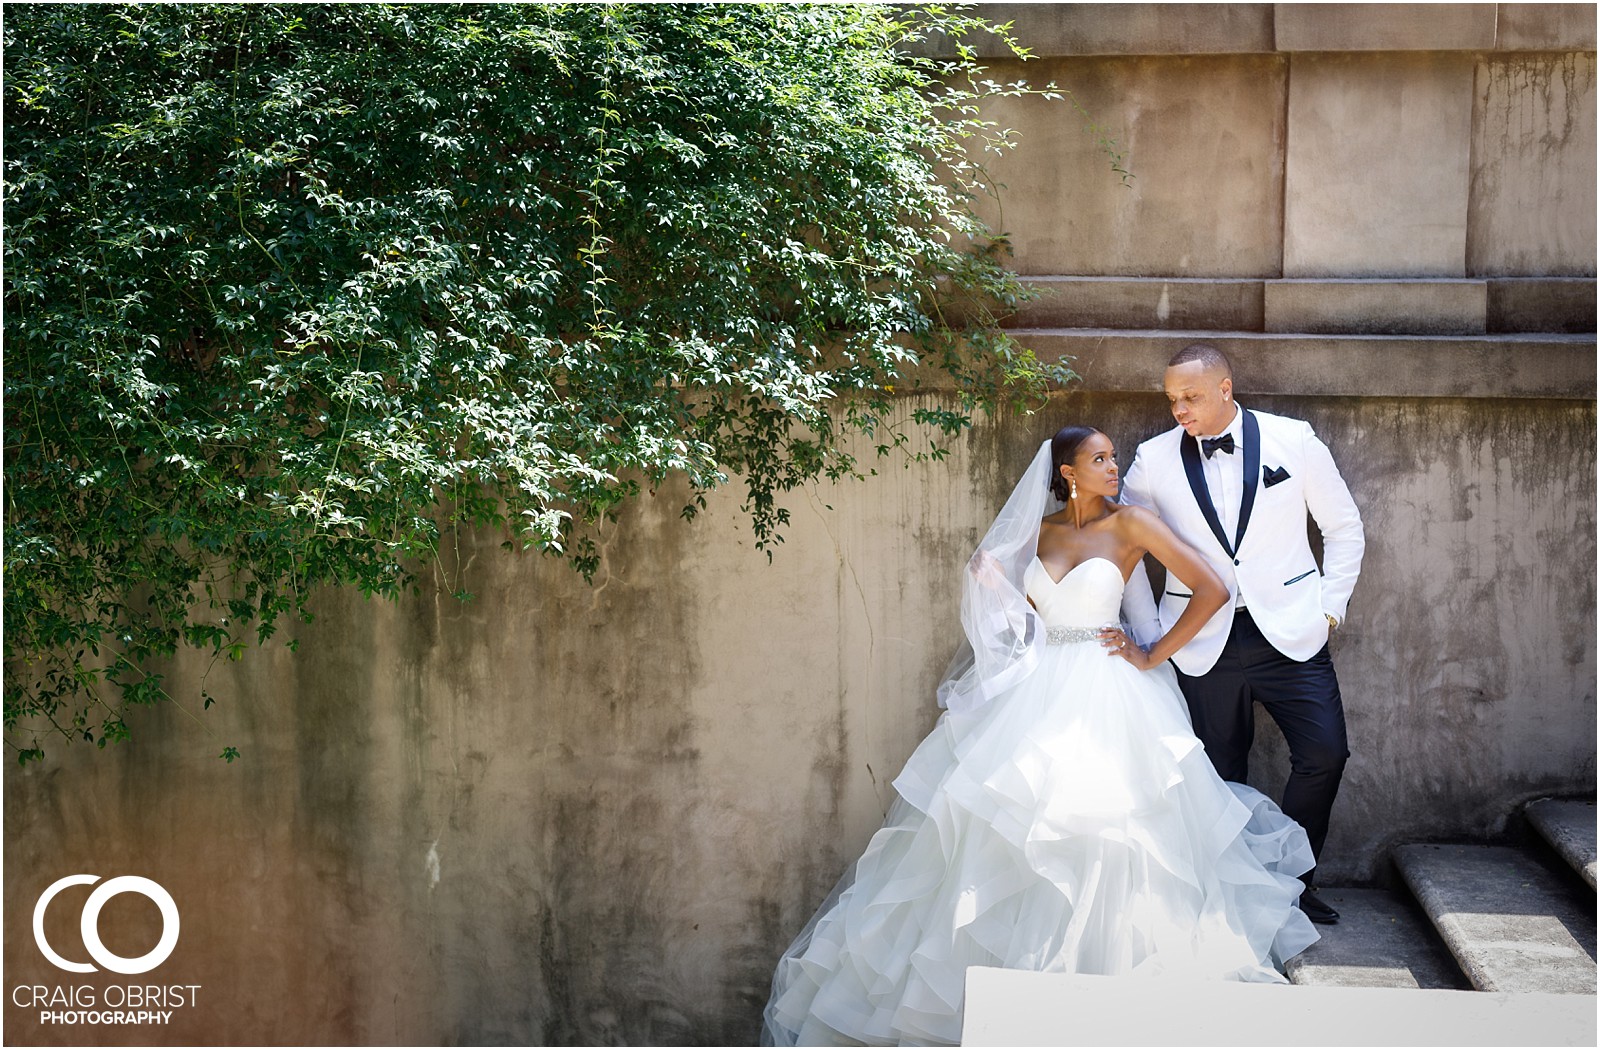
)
(1072, 488)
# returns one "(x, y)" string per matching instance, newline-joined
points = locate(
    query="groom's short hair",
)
(1207, 355)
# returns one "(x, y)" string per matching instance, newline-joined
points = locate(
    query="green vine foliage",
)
(291, 289)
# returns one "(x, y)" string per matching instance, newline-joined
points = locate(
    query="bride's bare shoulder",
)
(1129, 514)
(1133, 522)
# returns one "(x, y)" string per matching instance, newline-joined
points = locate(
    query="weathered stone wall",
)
(569, 814)
(572, 815)
(1344, 140)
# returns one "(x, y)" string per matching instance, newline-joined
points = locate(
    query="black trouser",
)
(1302, 697)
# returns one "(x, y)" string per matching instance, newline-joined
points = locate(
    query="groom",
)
(1236, 485)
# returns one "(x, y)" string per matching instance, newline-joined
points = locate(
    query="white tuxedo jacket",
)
(1287, 472)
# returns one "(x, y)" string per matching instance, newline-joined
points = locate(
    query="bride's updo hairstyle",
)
(1063, 450)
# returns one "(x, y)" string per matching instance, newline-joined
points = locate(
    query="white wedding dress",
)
(1073, 824)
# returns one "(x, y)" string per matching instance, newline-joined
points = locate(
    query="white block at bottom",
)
(1026, 1008)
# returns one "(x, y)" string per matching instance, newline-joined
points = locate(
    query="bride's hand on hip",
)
(1117, 643)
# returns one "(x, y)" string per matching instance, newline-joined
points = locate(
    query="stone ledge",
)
(1090, 29)
(1073, 30)
(1510, 925)
(1486, 366)
(1379, 942)
(1384, 27)
(1545, 27)
(1026, 1008)
(1056, 30)
(1568, 825)
(1415, 306)
(1222, 304)
(1312, 305)
(1541, 304)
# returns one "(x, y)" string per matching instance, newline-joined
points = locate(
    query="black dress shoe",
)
(1316, 909)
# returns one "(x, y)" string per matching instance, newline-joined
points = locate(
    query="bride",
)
(1061, 816)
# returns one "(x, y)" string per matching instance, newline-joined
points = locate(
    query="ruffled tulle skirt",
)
(1073, 825)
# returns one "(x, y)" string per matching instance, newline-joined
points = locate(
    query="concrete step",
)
(1380, 941)
(1497, 366)
(1569, 826)
(1512, 925)
(1184, 303)
(1342, 305)
(1375, 306)
(1541, 304)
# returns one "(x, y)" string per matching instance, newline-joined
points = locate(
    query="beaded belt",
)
(1068, 635)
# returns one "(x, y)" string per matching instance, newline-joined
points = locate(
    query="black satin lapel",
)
(1252, 474)
(1197, 484)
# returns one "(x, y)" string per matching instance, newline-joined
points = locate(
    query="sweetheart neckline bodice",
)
(1075, 568)
(1078, 599)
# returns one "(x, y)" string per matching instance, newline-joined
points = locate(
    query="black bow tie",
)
(1210, 445)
